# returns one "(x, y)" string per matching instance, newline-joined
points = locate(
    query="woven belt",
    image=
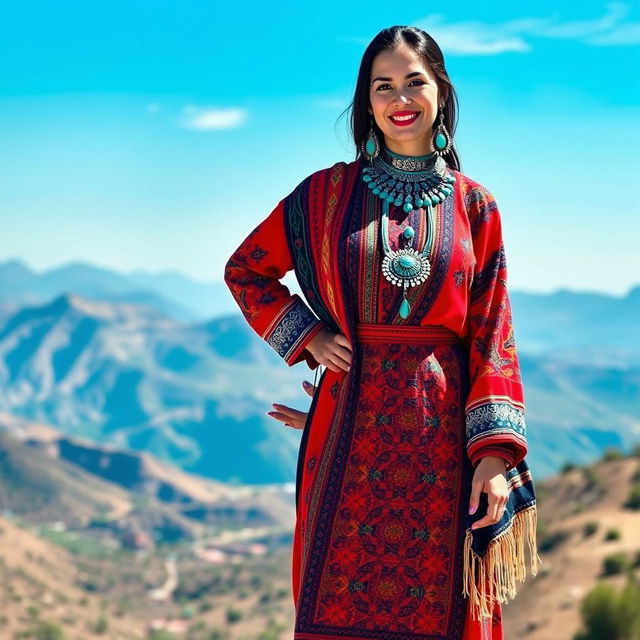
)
(389, 333)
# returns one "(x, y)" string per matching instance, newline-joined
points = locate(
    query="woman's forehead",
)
(399, 62)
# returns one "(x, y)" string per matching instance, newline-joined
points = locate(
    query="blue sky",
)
(155, 135)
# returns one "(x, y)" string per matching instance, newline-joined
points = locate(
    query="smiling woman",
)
(404, 105)
(413, 495)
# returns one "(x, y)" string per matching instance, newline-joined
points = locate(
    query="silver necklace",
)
(412, 182)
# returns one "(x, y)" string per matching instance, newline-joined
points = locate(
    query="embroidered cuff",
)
(498, 422)
(291, 330)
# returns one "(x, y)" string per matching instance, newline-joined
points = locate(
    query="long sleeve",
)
(495, 410)
(253, 274)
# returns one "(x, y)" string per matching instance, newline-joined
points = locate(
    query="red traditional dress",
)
(382, 546)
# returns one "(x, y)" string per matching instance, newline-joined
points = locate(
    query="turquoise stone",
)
(398, 202)
(405, 309)
(370, 146)
(389, 199)
(408, 233)
(367, 178)
(419, 202)
(441, 141)
(384, 194)
(376, 191)
(406, 261)
(407, 206)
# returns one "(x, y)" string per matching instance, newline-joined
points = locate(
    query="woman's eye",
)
(388, 85)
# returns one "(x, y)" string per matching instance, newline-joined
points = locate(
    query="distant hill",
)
(577, 326)
(582, 520)
(45, 477)
(80, 553)
(45, 591)
(585, 524)
(172, 293)
(131, 376)
(196, 394)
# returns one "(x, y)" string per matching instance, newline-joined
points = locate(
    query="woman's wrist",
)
(503, 461)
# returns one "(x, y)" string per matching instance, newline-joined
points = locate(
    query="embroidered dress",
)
(382, 544)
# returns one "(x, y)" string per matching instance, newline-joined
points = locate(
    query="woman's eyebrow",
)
(409, 75)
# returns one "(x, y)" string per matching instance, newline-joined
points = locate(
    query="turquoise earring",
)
(371, 146)
(441, 138)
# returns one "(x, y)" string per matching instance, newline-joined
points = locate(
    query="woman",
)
(413, 496)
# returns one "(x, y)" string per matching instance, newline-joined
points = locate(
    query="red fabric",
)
(253, 276)
(384, 466)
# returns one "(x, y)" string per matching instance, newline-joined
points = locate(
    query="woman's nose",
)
(401, 98)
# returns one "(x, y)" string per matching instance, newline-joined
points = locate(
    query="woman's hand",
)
(332, 350)
(490, 476)
(292, 417)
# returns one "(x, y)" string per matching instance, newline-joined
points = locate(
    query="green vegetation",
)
(552, 540)
(614, 563)
(200, 631)
(633, 501)
(612, 534)
(611, 615)
(76, 543)
(592, 481)
(102, 625)
(233, 615)
(33, 611)
(272, 632)
(590, 528)
(612, 453)
(160, 635)
(43, 631)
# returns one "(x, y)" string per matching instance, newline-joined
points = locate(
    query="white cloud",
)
(207, 119)
(624, 34)
(483, 38)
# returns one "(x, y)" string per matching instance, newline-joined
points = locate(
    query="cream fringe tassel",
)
(503, 562)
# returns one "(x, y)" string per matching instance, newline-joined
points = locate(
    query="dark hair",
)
(427, 48)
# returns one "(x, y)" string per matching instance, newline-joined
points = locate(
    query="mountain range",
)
(195, 393)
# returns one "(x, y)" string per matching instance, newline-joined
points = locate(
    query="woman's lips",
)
(404, 122)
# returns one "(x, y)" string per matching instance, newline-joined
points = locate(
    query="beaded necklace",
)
(412, 182)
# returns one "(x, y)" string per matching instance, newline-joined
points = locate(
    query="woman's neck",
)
(411, 149)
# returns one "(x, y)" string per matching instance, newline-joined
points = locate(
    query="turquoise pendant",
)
(405, 309)
(371, 145)
(406, 266)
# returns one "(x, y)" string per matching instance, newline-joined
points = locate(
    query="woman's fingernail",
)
(305, 384)
(472, 510)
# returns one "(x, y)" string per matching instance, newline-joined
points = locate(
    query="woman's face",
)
(392, 92)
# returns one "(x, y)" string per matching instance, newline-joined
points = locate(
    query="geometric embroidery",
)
(291, 329)
(495, 415)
